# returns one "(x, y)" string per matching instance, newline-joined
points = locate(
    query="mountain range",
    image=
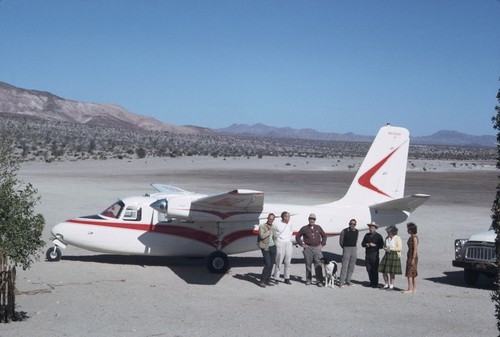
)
(16, 102)
(443, 137)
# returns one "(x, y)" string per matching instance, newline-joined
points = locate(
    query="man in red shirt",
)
(312, 238)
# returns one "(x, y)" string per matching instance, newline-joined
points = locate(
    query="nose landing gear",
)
(53, 254)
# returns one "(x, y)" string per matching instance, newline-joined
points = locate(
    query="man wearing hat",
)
(372, 242)
(312, 238)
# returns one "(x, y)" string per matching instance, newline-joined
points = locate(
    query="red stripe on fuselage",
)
(179, 231)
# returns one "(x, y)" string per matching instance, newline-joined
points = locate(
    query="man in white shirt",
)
(284, 248)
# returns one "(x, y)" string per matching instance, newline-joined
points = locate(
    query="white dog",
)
(330, 268)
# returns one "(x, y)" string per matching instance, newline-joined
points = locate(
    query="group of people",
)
(390, 265)
(275, 242)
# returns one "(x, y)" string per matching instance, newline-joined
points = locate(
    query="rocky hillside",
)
(43, 126)
(43, 105)
(39, 140)
(15, 102)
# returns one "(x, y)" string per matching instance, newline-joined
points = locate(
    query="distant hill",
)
(443, 137)
(263, 130)
(16, 102)
(42, 105)
(447, 137)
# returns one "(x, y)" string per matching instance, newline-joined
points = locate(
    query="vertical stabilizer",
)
(382, 174)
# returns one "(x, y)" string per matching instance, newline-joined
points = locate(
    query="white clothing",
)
(284, 231)
(284, 249)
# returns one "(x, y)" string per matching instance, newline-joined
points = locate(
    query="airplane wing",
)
(407, 204)
(241, 202)
(236, 205)
(169, 189)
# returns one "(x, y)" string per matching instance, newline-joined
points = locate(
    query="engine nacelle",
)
(178, 207)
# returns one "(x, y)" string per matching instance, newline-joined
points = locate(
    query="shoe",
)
(391, 287)
(349, 284)
(385, 286)
(407, 292)
(287, 281)
(269, 283)
(321, 284)
(262, 284)
(308, 282)
(342, 285)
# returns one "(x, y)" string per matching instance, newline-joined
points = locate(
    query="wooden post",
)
(7, 294)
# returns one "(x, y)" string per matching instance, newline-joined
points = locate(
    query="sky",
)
(333, 66)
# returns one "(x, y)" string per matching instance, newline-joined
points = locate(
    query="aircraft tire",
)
(217, 262)
(53, 254)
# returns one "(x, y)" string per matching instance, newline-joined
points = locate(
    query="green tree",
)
(496, 218)
(20, 227)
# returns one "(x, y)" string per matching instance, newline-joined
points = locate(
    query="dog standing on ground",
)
(330, 268)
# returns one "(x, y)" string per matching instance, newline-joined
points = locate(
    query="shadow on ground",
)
(456, 278)
(257, 261)
(191, 270)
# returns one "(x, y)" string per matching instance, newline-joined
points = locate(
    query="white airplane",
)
(175, 222)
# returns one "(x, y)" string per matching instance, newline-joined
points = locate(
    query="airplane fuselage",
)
(146, 233)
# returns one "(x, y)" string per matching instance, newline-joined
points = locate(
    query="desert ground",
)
(92, 294)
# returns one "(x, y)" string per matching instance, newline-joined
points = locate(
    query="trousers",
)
(349, 257)
(269, 260)
(312, 256)
(372, 262)
(284, 250)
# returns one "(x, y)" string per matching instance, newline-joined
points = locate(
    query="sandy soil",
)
(89, 294)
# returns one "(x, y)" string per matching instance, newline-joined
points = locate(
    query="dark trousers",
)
(372, 261)
(269, 259)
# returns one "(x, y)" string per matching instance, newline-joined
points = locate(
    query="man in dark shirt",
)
(348, 241)
(312, 238)
(373, 242)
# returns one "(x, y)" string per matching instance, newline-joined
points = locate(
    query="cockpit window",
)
(132, 213)
(114, 210)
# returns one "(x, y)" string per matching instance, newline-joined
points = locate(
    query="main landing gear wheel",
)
(217, 262)
(53, 254)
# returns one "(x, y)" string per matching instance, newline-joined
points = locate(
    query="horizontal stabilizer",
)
(407, 204)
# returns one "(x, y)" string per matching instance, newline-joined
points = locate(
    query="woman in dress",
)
(412, 259)
(390, 266)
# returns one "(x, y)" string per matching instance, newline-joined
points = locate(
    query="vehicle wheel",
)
(471, 277)
(217, 262)
(53, 254)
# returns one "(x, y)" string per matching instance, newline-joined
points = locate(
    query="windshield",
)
(114, 210)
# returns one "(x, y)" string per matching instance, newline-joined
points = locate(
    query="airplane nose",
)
(58, 230)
